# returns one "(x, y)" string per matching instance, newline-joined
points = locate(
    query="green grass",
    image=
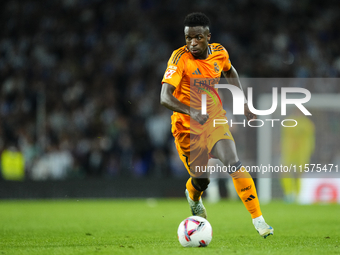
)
(150, 226)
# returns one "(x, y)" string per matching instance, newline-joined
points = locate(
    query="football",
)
(194, 231)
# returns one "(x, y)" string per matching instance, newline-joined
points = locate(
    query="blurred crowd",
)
(80, 79)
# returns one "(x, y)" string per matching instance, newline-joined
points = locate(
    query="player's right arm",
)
(172, 79)
(172, 103)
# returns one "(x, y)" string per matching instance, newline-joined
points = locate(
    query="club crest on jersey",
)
(216, 67)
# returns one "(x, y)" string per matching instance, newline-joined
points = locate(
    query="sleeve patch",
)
(169, 73)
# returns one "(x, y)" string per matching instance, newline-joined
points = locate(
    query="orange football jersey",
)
(192, 77)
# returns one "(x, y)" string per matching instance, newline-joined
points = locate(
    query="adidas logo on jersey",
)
(197, 72)
(251, 197)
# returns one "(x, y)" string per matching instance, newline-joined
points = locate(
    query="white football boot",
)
(262, 227)
(197, 207)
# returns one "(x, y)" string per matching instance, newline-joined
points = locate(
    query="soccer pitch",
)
(148, 226)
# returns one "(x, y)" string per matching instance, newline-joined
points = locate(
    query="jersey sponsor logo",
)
(206, 82)
(169, 73)
(216, 67)
(197, 72)
(206, 85)
(246, 188)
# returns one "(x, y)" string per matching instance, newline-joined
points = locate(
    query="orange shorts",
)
(195, 150)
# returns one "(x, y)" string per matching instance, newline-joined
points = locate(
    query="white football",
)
(194, 231)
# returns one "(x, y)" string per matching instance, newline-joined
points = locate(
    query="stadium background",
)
(80, 83)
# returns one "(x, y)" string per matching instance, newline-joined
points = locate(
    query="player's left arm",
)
(232, 77)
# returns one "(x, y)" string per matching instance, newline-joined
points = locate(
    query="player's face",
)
(197, 39)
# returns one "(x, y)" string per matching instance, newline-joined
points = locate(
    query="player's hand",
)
(197, 115)
(249, 115)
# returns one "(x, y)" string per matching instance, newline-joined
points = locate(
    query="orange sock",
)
(194, 194)
(246, 190)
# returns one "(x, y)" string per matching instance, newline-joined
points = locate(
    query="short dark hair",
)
(196, 19)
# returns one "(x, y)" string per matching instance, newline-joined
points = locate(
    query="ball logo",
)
(200, 226)
(202, 243)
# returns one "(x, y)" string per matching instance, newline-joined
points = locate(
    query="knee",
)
(201, 183)
(229, 160)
